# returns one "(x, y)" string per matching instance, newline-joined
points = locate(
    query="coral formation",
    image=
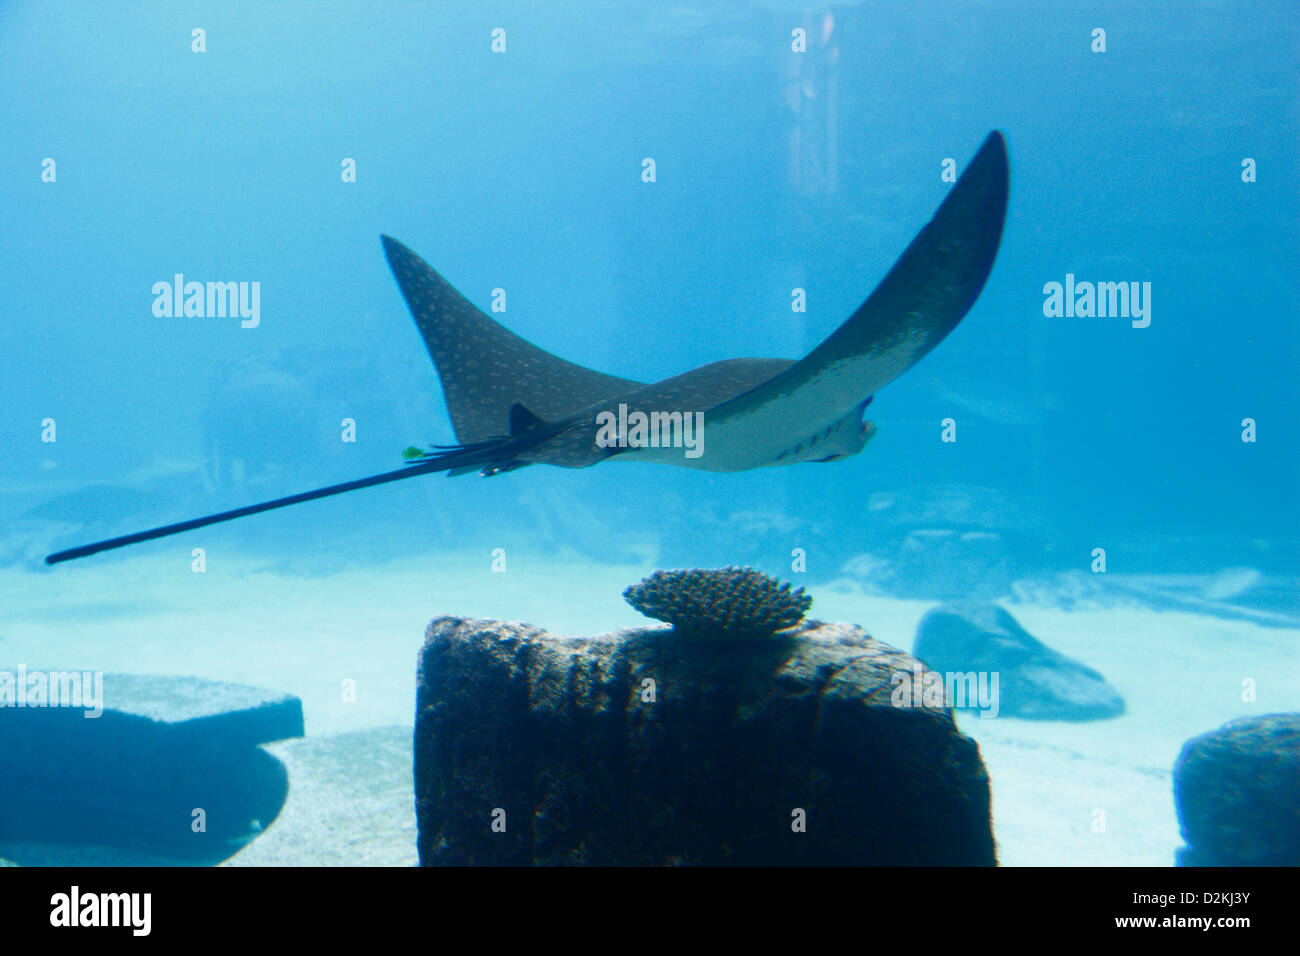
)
(726, 603)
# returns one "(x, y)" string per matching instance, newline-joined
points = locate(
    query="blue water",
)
(521, 170)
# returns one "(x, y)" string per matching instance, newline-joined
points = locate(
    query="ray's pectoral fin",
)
(928, 291)
(486, 369)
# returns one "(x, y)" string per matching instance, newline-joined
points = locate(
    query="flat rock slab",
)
(35, 853)
(644, 747)
(174, 762)
(235, 713)
(1237, 789)
(1034, 682)
(350, 803)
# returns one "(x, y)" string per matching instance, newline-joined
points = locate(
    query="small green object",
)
(411, 453)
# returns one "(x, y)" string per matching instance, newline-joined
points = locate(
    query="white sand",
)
(1181, 674)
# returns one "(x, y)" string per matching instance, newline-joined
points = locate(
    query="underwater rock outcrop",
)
(164, 768)
(1035, 682)
(1236, 791)
(649, 746)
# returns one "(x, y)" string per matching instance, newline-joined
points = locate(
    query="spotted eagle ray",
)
(513, 404)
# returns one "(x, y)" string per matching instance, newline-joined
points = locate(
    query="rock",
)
(1034, 681)
(648, 747)
(133, 776)
(1236, 789)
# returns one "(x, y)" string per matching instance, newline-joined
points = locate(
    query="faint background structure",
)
(812, 95)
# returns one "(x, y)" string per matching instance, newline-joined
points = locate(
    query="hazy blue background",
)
(522, 171)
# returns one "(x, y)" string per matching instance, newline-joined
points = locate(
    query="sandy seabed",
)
(1094, 793)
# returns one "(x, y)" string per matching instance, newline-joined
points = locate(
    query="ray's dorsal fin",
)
(522, 420)
(485, 368)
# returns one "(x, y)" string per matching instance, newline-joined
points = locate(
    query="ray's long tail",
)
(492, 457)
